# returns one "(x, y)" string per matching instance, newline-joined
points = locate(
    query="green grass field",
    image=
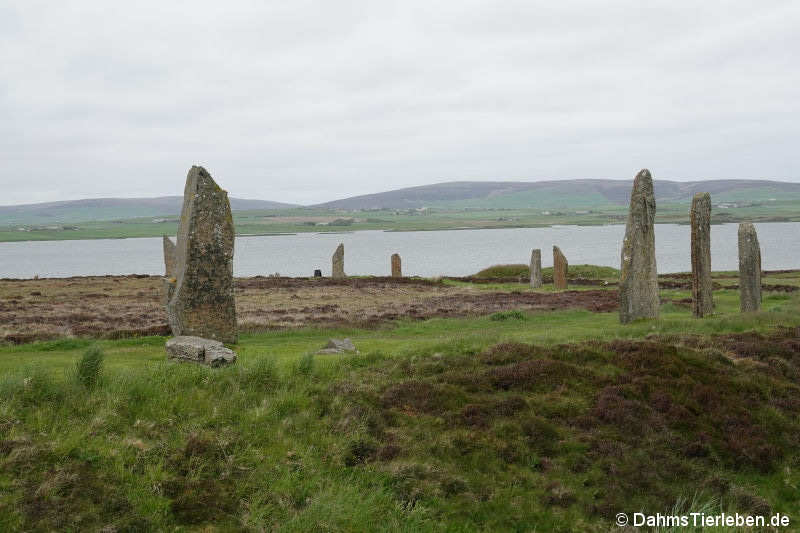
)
(549, 421)
(301, 220)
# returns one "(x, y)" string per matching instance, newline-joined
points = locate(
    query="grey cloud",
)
(307, 101)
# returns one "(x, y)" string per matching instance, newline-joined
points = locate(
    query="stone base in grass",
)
(199, 350)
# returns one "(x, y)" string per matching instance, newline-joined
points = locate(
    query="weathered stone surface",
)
(198, 350)
(202, 299)
(749, 269)
(168, 284)
(337, 263)
(169, 257)
(167, 290)
(638, 283)
(397, 269)
(702, 290)
(536, 268)
(317, 273)
(338, 346)
(560, 267)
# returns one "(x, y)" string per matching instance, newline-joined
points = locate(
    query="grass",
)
(549, 421)
(517, 214)
(574, 271)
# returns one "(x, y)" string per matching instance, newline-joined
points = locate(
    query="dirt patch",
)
(598, 301)
(771, 287)
(274, 282)
(683, 284)
(129, 306)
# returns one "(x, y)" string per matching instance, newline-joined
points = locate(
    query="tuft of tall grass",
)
(89, 368)
(305, 366)
(697, 504)
(507, 315)
(260, 374)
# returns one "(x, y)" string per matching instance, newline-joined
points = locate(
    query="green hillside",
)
(545, 198)
(563, 194)
(456, 205)
(97, 209)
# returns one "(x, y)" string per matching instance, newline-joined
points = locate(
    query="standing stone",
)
(536, 268)
(397, 270)
(749, 269)
(169, 257)
(702, 292)
(317, 273)
(202, 300)
(337, 261)
(638, 283)
(560, 267)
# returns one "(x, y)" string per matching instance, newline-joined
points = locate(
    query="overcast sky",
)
(308, 101)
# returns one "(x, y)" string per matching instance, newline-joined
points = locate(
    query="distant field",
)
(302, 220)
(450, 205)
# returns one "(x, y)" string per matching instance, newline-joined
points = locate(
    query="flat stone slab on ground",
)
(199, 350)
(338, 346)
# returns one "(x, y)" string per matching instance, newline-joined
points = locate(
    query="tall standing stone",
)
(169, 257)
(536, 268)
(702, 290)
(638, 283)
(201, 301)
(749, 269)
(337, 263)
(560, 267)
(397, 268)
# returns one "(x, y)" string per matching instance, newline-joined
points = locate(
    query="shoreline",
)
(777, 220)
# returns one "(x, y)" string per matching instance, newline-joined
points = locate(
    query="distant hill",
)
(111, 209)
(555, 194)
(576, 193)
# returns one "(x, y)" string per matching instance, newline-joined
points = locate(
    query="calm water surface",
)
(424, 253)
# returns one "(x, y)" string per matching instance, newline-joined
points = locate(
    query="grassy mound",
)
(504, 271)
(523, 271)
(515, 436)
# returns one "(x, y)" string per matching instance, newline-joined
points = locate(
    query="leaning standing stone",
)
(397, 269)
(560, 267)
(702, 292)
(536, 268)
(337, 263)
(638, 283)
(749, 269)
(169, 257)
(202, 299)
